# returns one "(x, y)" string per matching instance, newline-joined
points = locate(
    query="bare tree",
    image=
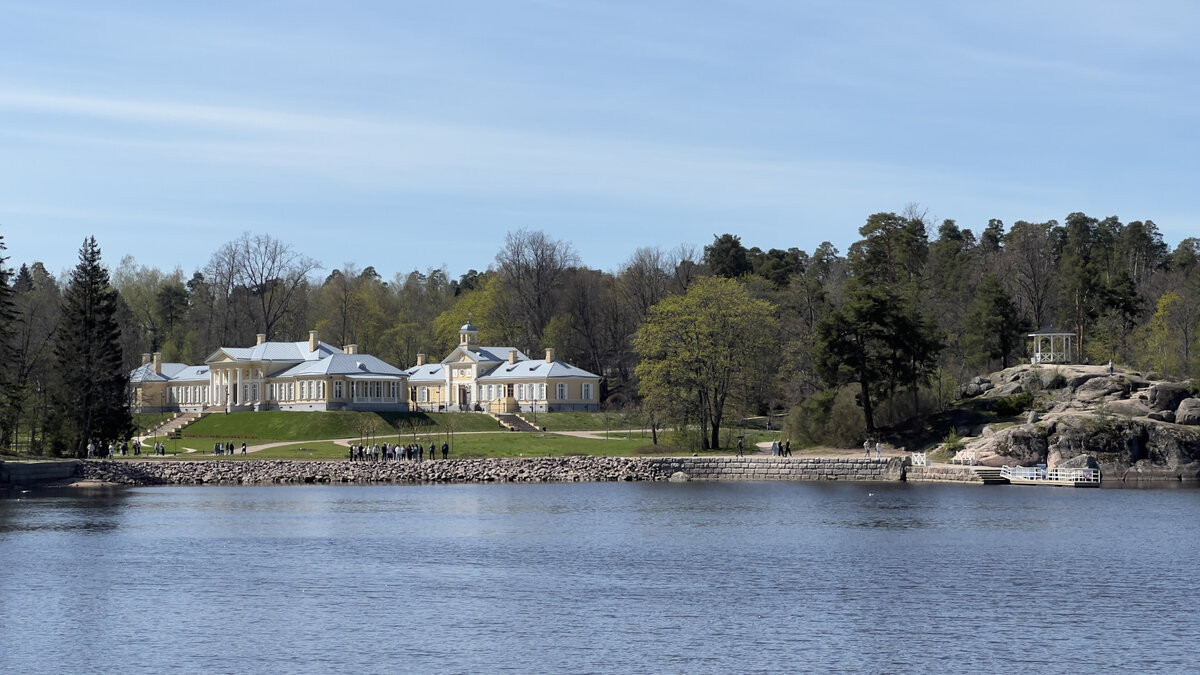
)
(644, 280)
(532, 266)
(1030, 262)
(267, 270)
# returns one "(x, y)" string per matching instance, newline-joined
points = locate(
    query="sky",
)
(416, 135)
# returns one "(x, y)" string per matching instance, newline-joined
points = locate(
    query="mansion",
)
(309, 375)
(314, 375)
(500, 380)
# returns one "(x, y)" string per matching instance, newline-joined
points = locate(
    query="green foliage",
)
(994, 328)
(704, 349)
(952, 442)
(286, 426)
(93, 379)
(1013, 405)
(829, 418)
(726, 257)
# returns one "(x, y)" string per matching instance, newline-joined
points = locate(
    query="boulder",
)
(1167, 396)
(1162, 416)
(1007, 389)
(679, 477)
(1031, 417)
(1188, 412)
(1096, 388)
(1052, 379)
(1084, 461)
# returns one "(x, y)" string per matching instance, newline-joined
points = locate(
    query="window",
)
(587, 391)
(521, 392)
(338, 389)
(423, 394)
(561, 394)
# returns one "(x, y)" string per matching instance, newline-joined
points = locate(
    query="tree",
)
(993, 323)
(8, 320)
(272, 271)
(726, 257)
(93, 383)
(532, 266)
(703, 350)
(874, 340)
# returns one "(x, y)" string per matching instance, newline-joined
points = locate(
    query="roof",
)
(343, 364)
(1051, 331)
(171, 372)
(484, 354)
(430, 372)
(522, 370)
(276, 351)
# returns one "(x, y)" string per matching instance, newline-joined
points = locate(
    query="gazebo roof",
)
(1051, 331)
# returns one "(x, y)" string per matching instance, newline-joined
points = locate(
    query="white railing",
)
(964, 457)
(919, 459)
(1059, 475)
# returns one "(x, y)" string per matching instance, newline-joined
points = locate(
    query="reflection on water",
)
(698, 577)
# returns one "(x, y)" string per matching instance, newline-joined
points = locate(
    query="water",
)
(582, 578)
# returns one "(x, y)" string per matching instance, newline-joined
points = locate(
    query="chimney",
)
(512, 357)
(145, 358)
(549, 355)
(350, 349)
(158, 363)
(262, 337)
(420, 359)
(312, 340)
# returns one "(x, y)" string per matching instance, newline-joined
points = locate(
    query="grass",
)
(499, 444)
(280, 425)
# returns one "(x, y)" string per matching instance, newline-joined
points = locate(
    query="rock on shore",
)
(493, 470)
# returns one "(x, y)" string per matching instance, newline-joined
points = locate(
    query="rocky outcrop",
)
(1188, 412)
(1133, 427)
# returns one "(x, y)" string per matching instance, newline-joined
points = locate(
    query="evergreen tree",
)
(993, 324)
(92, 382)
(8, 317)
(726, 257)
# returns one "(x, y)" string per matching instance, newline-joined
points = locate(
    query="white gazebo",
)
(1052, 346)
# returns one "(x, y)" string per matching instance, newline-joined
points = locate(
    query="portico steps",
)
(175, 424)
(514, 422)
(990, 475)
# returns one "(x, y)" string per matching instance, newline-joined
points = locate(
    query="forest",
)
(841, 344)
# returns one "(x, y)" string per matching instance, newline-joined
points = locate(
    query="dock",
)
(1039, 475)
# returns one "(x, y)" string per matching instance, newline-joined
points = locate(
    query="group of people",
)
(123, 449)
(227, 448)
(382, 452)
(878, 449)
(778, 449)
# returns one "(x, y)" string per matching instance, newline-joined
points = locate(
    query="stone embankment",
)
(783, 468)
(942, 474)
(252, 472)
(508, 470)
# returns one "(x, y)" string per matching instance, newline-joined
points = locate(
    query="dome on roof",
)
(469, 326)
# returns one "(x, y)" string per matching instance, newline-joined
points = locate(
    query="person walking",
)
(445, 450)
(878, 448)
(740, 452)
(867, 448)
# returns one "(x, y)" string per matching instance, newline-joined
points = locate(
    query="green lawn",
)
(279, 425)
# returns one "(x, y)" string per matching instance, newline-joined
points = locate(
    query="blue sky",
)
(410, 135)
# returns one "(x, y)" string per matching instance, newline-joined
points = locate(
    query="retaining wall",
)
(30, 473)
(942, 474)
(783, 468)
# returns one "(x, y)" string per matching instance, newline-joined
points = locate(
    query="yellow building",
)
(499, 380)
(309, 375)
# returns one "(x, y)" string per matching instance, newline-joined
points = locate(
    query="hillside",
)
(1128, 424)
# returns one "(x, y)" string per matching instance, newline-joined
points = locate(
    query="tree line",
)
(883, 333)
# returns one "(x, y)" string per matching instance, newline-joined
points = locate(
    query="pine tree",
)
(8, 317)
(92, 382)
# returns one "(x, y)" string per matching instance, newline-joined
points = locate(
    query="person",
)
(432, 449)
(243, 447)
(740, 452)
(878, 447)
(787, 448)
(774, 448)
(91, 449)
(445, 450)
(867, 448)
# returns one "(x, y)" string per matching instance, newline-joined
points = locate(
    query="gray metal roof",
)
(430, 372)
(171, 372)
(535, 369)
(342, 364)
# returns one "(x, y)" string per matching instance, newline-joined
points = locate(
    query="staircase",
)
(175, 424)
(989, 475)
(514, 422)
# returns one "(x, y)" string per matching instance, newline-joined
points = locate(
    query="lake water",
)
(585, 578)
